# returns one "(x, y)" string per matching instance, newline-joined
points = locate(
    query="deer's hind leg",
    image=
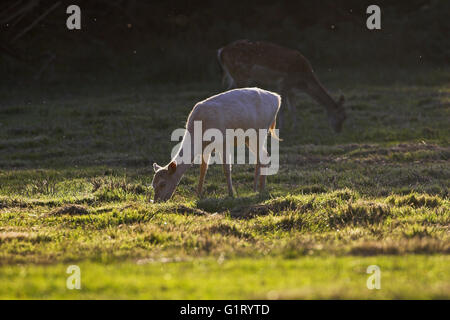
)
(228, 81)
(262, 182)
(259, 178)
(287, 105)
(254, 150)
(290, 99)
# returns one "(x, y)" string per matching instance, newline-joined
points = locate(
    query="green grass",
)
(417, 277)
(75, 174)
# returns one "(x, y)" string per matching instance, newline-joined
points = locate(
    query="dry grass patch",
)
(416, 201)
(23, 236)
(277, 205)
(188, 210)
(70, 209)
(403, 246)
(360, 213)
(12, 235)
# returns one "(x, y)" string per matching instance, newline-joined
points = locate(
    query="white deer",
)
(283, 70)
(247, 108)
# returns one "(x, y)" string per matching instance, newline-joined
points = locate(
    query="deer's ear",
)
(156, 167)
(341, 99)
(172, 167)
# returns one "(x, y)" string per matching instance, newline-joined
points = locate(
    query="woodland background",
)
(177, 40)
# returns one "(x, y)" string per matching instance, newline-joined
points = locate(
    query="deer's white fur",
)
(239, 108)
(245, 108)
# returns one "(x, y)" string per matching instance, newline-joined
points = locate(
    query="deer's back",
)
(237, 109)
(247, 59)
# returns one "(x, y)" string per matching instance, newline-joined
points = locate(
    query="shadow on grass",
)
(231, 204)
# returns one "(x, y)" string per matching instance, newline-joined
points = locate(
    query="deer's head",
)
(337, 115)
(164, 181)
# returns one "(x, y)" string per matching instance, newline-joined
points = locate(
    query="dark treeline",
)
(177, 40)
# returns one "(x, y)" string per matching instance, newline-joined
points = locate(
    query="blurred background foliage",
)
(177, 40)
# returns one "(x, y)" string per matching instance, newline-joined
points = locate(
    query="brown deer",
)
(283, 70)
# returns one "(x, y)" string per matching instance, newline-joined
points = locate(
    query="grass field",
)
(75, 174)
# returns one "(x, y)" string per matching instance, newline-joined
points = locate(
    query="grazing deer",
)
(277, 68)
(247, 108)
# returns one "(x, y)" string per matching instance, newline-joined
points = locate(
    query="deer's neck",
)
(320, 94)
(185, 155)
(181, 169)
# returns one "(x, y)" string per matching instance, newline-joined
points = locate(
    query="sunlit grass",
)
(75, 176)
(418, 277)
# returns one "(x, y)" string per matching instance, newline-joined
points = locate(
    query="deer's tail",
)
(272, 130)
(227, 79)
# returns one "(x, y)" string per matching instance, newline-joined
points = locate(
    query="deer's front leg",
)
(262, 182)
(286, 106)
(201, 180)
(227, 172)
(292, 110)
(257, 174)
